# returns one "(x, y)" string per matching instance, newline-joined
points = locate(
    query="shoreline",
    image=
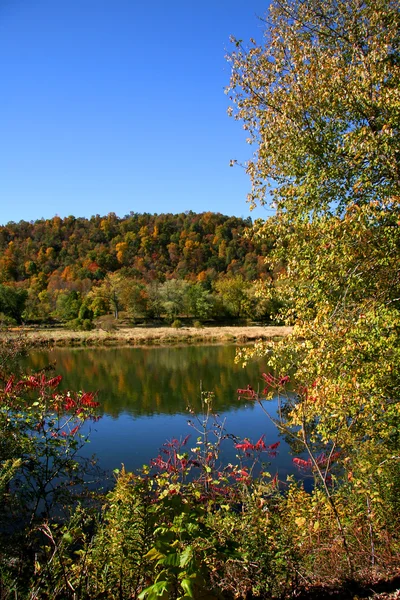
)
(148, 336)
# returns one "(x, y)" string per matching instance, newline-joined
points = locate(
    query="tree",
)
(173, 295)
(199, 301)
(154, 300)
(68, 305)
(134, 297)
(321, 102)
(12, 302)
(233, 292)
(110, 292)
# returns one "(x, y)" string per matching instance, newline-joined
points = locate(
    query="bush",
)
(41, 474)
(6, 320)
(176, 324)
(184, 528)
(107, 323)
(85, 312)
(198, 324)
(80, 325)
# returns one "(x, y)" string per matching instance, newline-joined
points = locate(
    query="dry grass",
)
(141, 336)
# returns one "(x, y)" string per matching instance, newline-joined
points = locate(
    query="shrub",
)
(80, 324)
(85, 312)
(176, 324)
(41, 473)
(6, 320)
(107, 323)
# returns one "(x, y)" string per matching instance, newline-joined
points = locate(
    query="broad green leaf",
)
(187, 586)
(186, 556)
(154, 554)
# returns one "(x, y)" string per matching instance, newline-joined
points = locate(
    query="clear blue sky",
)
(119, 106)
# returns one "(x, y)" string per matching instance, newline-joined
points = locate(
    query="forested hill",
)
(152, 247)
(50, 268)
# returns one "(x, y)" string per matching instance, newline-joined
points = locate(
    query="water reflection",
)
(148, 381)
(144, 394)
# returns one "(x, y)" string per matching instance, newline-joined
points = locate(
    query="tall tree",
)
(233, 292)
(12, 302)
(110, 291)
(321, 102)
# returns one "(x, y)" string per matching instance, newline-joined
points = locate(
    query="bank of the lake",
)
(143, 336)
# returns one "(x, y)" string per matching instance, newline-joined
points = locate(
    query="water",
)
(144, 394)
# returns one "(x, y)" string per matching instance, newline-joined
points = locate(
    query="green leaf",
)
(154, 554)
(67, 537)
(155, 591)
(172, 559)
(187, 587)
(186, 556)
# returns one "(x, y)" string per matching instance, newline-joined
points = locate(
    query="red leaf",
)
(273, 446)
(54, 382)
(9, 385)
(301, 463)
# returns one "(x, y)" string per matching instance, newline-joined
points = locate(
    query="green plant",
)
(80, 324)
(317, 99)
(6, 320)
(179, 553)
(114, 561)
(41, 473)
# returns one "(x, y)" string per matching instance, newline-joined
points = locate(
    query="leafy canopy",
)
(320, 100)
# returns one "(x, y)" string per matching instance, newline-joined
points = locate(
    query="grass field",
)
(138, 336)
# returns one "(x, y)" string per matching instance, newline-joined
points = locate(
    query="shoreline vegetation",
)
(157, 336)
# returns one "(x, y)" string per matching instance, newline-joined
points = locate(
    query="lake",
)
(144, 395)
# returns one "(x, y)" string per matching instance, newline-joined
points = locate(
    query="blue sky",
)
(119, 106)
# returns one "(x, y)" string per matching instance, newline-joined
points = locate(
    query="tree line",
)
(198, 265)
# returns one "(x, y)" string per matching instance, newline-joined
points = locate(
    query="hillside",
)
(41, 260)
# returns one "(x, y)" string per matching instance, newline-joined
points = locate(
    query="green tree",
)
(12, 302)
(86, 311)
(199, 301)
(233, 292)
(68, 305)
(173, 296)
(321, 102)
(154, 300)
(110, 291)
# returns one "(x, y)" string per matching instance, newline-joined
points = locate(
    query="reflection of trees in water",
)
(144, 381)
